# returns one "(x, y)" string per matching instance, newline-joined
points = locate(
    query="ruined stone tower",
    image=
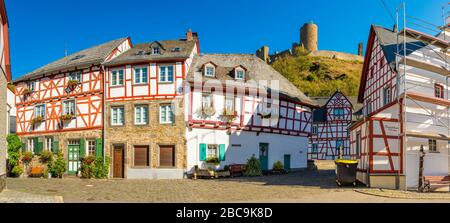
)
(309, 36)
(263, 53)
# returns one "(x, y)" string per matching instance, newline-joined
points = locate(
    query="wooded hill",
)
(319, 76)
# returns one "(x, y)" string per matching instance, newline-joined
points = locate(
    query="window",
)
(368, 106)
(358, 143)
(338, 113)
(156, 50)
(75, 76)
(116, 77)
(240, 74)
(229, 104)
(314, 148)
(140, 75)
(30, 86)
(438, 91)
(141, 156)
(69, 107)
(165, 114)
(207, 100)
(165, 73)
(386, 95)
(141, 115)
(212, 151)
(314, 130)
(209, 71)
(432, 145)
(39, 111)
(90, 147)
(117, 116)
(371, 72)
(49, 143)
(30, 144)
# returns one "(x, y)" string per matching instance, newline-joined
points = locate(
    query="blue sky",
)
(41, 31)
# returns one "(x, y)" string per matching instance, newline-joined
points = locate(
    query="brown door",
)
(118, 162)
(166, 156)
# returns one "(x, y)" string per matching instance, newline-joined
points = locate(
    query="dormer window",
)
(210, 71)
(156, 50)
(239, 74)
(30, 86)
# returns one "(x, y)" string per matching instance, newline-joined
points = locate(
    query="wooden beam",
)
(428, 136)
(426, 98)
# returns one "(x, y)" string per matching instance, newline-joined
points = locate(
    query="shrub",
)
(46, 156)
(87, 167)
(36, 120)
(59, 167)
(101, 167)
(253, 167)
(213, 160)
(278, 166)
(27, 157)
(14, 146)
(17, 170)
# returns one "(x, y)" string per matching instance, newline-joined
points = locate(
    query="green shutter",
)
(40, 146)
(99, 147)
(24, 147)
(36, 146)
(55, 147)
(222, 152)
(82, 148)
(202, 152)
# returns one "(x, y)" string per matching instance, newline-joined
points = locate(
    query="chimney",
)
(360, 49)
(190, 35)
(263, 54)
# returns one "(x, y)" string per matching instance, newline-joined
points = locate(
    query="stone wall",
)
(337, 55)
(152, 134)
(3, 122)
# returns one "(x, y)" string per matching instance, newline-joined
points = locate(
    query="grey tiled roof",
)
(93, 55)
(257, 70)
(170, 49)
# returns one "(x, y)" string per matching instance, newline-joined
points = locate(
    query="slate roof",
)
(256, 68)
(93, 55)
(170, 49)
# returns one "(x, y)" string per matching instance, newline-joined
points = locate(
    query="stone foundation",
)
(2, 182)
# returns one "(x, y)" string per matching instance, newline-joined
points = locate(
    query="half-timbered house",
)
(236, 107)
(329, 133)
(144, 122)
(5, 77)
(404, 89)
(59, 106)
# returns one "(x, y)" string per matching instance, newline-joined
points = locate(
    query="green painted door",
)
(74, 159)
(264, 156)
(287, 162)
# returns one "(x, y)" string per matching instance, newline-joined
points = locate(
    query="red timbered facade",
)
(329, 135)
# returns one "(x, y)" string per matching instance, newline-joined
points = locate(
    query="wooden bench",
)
(435, 181)
(37, 171)
(237, 169)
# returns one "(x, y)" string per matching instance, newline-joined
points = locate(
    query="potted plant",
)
(17, 170)
(72, 84)
(206, 111)
(26, 91)
(66, 117)
(27, 157)
(229, 115)
(46, 156)
(87, 167)
(213, 160)
(59, 167)
(253, 167)
(278, 168)
(36, 120)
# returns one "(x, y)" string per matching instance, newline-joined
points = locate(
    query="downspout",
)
(103, 113)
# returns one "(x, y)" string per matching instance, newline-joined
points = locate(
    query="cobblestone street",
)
(305, 186)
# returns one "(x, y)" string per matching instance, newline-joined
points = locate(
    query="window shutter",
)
(222, 152)
(82, 148)
(99, 147)
(202, 152)
(40, 146)
(24, 147)
(55, 147)
(36, 146)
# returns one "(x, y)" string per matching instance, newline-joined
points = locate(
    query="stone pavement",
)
(11, 196)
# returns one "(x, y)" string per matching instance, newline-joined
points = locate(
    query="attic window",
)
(176, 49)
(210, 71)
(239, 74)
(156, 50)
(77, 57)
(141, 52)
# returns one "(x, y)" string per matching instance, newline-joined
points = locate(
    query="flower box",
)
(37, 120)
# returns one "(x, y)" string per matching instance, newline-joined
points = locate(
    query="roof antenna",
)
(65, 50)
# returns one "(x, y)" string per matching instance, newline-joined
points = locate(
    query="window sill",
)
(116, 86)
(141, 125)
(141, 167)
(434, 152)
(165, 82)
(140, 84)
(116, 125)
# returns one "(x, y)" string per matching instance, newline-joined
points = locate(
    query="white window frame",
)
(138, 78)
(74, 107)
(120, 118)
(212, 69)
(30, 145)
(142, 110)
(236, 72)
(164, 73)
(116, 81)
(216, 151)
(49, 143)
(31, 85)
(339, 115)
(207, 100)
(230, 101)
(90, 143)
(156, 50)
(77, 74)
(168, 114)
(432, 145)
(39, 110)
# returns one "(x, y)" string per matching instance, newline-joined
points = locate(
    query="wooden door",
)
(167, 156)
(73, 161)
(287, 162)
(118, 162)
(264, 156)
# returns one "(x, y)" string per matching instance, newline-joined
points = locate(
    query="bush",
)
(253, 167)
(17, 170)
(213, 160)
(46, 156)
(87, 167)
(14, 146)
(27, 157)
(59, 167)
(278, 166)
(101, 167)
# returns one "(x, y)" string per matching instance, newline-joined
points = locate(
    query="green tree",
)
(14, 146)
